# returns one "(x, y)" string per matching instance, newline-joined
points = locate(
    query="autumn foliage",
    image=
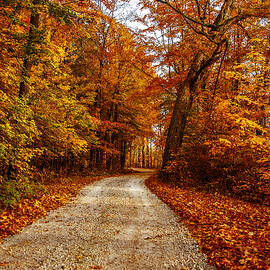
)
(214, 61)
(187, 92)
(52, 196)
(72, 89)
(232, 233)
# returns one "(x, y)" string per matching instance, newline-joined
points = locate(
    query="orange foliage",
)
(72, 91)
(28, 210)
(232, 233)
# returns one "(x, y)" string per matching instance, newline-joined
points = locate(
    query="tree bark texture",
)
(182, 108)
(32, 38)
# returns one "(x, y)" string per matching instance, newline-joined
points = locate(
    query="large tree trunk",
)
(130, 156)
(182, 108)
(184, 101)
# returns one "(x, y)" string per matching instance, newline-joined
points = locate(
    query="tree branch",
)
(183, 14)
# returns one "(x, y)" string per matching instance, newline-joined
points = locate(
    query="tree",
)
(33, 37)
(224, 122)
(72, 97)
(211, 22)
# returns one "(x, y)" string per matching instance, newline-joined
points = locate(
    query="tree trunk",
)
(32, 36)
(143, 157)
(130, 157)
(147, 155)
(139, 157)
(123, 153)
(182, 108)
(151, 156)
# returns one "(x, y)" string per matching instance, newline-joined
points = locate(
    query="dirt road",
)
(114, 224)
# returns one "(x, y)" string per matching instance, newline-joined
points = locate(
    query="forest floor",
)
(233, 233)
(53, 193)
(115, 223)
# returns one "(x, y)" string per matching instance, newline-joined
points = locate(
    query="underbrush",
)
(234, 234)
(38, 200)
(243, 175)
(13, 190)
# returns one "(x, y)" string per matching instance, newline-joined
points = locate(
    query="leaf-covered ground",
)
(27, 211)
(233, 234)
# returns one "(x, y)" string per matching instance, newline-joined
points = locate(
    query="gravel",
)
(113, 224)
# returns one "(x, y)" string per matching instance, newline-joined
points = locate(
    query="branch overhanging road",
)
(114, 224)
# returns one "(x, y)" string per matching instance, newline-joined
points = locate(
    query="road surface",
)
(114, 224)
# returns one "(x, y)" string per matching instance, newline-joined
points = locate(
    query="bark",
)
(182, 108)
(139, 158)
(143, 157)
(147, 155)
(27, 63)
(123, 153)
(151, 156)
(130, 156)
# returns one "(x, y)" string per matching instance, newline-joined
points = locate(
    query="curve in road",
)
(114, 224)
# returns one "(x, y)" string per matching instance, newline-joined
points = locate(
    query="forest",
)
(184, 90)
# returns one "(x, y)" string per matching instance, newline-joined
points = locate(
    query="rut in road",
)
(116, 223)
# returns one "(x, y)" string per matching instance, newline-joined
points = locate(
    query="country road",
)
(114, 224)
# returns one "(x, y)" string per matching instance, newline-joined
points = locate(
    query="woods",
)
(84, 92)
(69, 77)
(189, 92)
(214, 57)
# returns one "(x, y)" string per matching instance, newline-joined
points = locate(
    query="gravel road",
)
(113, 224)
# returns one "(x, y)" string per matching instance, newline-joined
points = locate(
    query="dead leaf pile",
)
(28, 210)
(233, 234)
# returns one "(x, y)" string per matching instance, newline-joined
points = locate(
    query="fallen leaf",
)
(96, 267)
